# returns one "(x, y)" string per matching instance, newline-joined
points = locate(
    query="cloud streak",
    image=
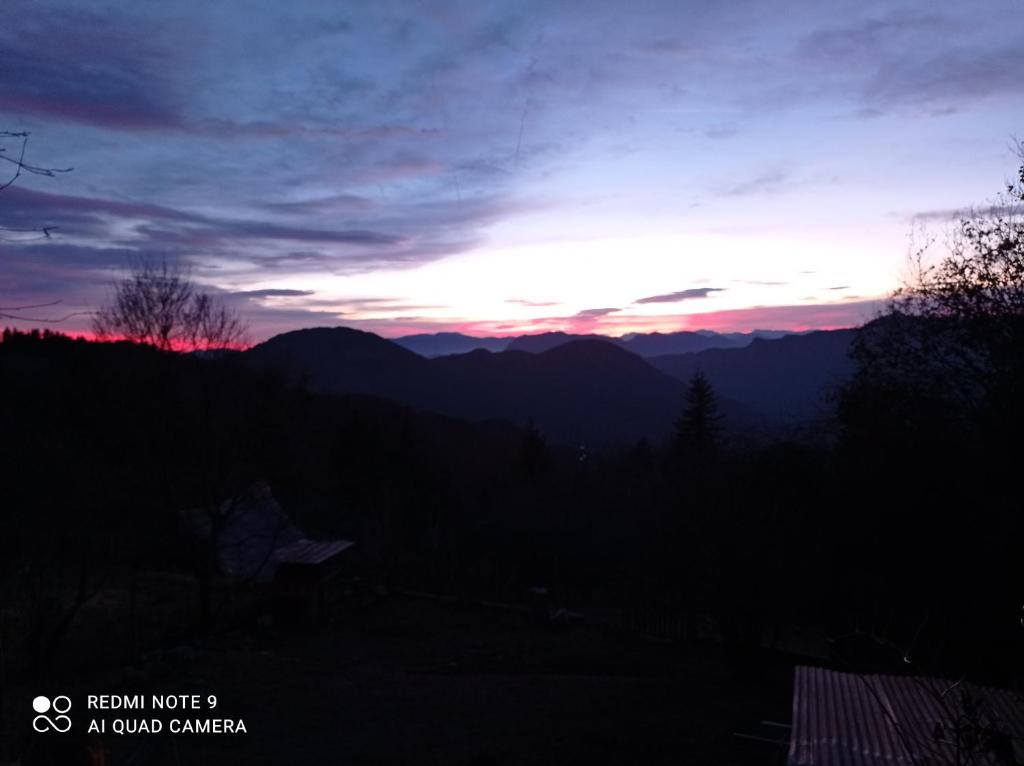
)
(589, 314)
(693, 293)
(768, 182)
(274, 293)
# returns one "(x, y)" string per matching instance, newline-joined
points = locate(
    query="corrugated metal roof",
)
(310, 551)
(844, 719)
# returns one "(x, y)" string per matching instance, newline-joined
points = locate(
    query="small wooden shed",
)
(308, 578)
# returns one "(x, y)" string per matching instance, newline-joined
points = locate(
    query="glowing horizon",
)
(500, 168)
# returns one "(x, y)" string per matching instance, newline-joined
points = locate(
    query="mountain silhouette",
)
(343, 360)
(445, 343)
(643, 344)
(788, 377)
(586, 391)
(683, 342)
(545, 341)
(580, 390)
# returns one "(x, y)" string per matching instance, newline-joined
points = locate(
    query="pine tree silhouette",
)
(699, 427)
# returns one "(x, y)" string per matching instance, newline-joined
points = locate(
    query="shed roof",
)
(845, 719)
(310, 551)
(256, 535)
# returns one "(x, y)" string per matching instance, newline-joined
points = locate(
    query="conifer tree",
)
(699, 427)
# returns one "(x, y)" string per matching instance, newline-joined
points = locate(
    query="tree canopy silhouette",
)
(934, 414)
(159, 305)
(955, 329)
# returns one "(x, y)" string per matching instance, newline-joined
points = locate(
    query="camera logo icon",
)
(60, 722)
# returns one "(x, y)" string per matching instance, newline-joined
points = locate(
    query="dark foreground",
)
(416, 682)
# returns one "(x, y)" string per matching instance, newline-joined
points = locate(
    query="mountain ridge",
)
(583, 390)
(644, 344)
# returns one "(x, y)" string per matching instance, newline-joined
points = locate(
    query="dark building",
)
(308, 578)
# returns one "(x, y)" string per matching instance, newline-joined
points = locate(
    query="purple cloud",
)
(682, 295)
(595, 313)
(75, 65)
(163, 225)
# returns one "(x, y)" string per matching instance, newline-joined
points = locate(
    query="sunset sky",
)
(504, 166)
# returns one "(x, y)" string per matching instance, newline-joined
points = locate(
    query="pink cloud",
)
(820, 316)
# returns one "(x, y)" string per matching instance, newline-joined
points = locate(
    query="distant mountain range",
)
(577, 390)
(784, 379)
(589, 392)
(643, 344)
(445, 343)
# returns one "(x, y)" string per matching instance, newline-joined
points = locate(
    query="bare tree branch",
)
(20, 165)
(42, 232)
(5, 313)
(159, 305)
